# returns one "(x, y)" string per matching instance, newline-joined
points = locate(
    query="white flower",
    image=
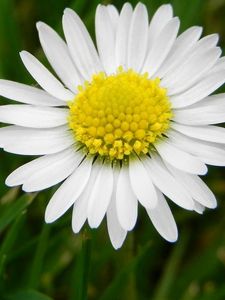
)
(127, 124)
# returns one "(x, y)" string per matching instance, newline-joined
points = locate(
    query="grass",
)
(43, 262)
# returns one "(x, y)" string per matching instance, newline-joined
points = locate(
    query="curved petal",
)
(195, 187)
(191, 71)
(33, 116)
(80, 208)
(163, 220)
(68, 192)
(159, 20)
(80, 45)
(45, 171)
(55, 49)
(141, 184)
(105, 38)
(100, 196)
(44, 78)
(116, 233)
(209, 153)
(206, 133)
(126, 201)
(167, 184)
(113, 14)
(137, 38)
(199, 91)
(161, 47)
(183, 44)
(180, 159)
(27, 141)
(27, 94)
(123, 28)
(201, 115)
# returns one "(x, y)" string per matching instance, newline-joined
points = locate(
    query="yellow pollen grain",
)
(120, 114)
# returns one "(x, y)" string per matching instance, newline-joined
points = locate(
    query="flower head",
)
(129, 122)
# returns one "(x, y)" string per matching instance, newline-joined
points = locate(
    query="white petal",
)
(202, 89)
(100, 196)
(199, 208)
(189, 72)
(33, 116)
(122, 35)
(163, 220)
(116, 233)
(220, 65)
(80, 44)
(195, 187)
(44, 78)
(27, 94)
(27, 141)
(209, 153)
(167, 184)
(45, 171)
(206, 133)
(180, 159)
(161, 47)
(126, 201)
(105, 38)
(183, 44)
(138, 37)
(113, 14)
(201, 115)
(68, 192)
(141, 184)
(58, 55)
(159, 20)
(80, 207)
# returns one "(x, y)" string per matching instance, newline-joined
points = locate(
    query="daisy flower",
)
(129, 122)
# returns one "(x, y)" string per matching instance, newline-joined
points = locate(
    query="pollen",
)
(120, 114)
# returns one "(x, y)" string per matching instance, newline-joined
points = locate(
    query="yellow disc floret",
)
(119, 114)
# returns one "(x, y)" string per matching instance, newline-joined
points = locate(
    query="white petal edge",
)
(198, 190)
(167, 184)
(105, 38)
(126, 201)
(137, 37)
(45, 171)
(33, 116)
(161, 47)
(80, 45)
(141, 184)
(206, 133)
(180, 159)
(163, 220)
(100, 196)
(121, 49)
(68, 192)
(44, 78)
(27, 141)
(117, 234)
(199, 91)
(27, 94)
(58, 56)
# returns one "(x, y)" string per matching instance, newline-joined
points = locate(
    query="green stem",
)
(79, 289)
(169, 275)
(39, 257)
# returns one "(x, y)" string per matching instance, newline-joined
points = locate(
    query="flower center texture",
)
(120, 114)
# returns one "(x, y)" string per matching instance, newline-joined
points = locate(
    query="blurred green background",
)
(43, 262)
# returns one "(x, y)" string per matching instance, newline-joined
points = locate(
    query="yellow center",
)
(117, 115)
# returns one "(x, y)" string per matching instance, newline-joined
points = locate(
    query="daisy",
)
(128, 123)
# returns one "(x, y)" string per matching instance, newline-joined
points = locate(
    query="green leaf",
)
(12, 210)
(27, 295)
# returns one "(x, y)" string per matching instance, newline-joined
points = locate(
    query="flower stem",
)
(84, 266)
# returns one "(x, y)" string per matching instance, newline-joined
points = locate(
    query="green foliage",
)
(44, 262)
